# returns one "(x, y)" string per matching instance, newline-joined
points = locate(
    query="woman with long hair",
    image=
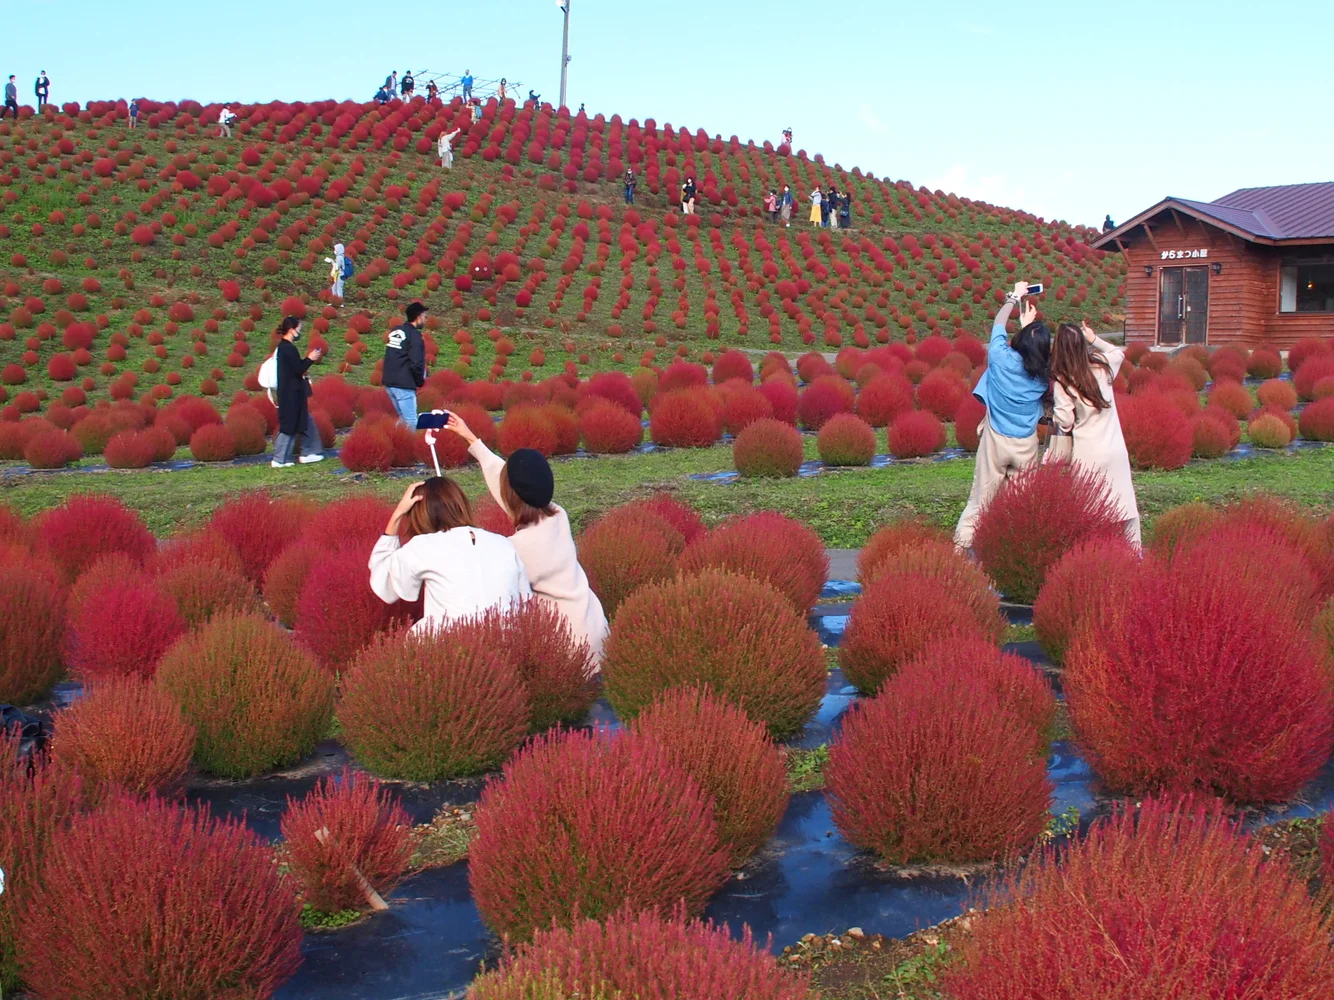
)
(1083, 367)
(465, 570)
(524, 487)
(1013, 389)
(294, 393)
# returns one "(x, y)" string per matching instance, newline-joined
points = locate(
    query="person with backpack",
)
(339, 271)
(405, 365)
(294, 394)
(225, 118)
(134, 113)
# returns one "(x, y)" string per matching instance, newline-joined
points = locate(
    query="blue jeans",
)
(405, 402)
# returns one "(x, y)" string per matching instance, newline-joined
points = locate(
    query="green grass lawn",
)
(845, 506)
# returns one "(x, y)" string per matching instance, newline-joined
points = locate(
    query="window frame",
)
(1294, 264)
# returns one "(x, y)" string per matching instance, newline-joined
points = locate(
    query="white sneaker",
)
(308, 459)
(275, 464)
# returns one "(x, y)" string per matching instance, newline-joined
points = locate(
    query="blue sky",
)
(1068, 110)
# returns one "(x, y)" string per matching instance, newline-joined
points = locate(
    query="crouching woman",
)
(465, 571)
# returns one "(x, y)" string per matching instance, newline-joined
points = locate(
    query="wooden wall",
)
(1243, 300)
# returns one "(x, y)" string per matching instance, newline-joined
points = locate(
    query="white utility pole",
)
(564, 5)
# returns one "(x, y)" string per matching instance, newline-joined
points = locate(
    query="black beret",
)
(530, 477)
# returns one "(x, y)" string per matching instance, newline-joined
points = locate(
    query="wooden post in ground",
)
(373, 898)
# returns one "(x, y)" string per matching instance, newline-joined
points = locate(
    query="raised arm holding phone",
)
(294, 393)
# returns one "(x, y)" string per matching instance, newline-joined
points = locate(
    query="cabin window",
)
(1306, 285)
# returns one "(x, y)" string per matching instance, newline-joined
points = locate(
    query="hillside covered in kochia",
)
(160, 259)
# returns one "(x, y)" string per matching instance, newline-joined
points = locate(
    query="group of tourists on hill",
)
(1071, 375)
(41, 90)
(831, 209)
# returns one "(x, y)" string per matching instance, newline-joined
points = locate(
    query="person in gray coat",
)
(11, 97)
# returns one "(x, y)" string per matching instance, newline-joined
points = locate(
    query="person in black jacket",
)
(405, 365)
(293, 394)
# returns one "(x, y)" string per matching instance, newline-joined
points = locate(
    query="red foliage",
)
(736, 636)
(938, 768)
(131, 877)
(1157, 434)
(941, 392)
(425, 706)
(782, 397)
(625, 549)
(259, 527)
(733, 364)
(1173, 701)
(640, 955)
(121, 628)
(451, 448)
(729, 755)
(682, 375)
(846, 439)
(742, 406)
(609, 429)
(527, 427)
(1174, 901)
(86, 526)
(1317, 420)
(1210, 437)
(31, 629)
(125, 735)
(826, 396)
(884, 550)
(1095, 580)
(286, 577)
(1071, 503)
(769, 547)
(354, 520)
(1178, 525)
(678, 514)
(1275, 394)
(1267, 429)
(337, 613)
(768, 448)
(1310, 373)
(202, 590)
(1233, 397)
(213, 443)
(916, 434)
(134, 449)
(686, 418)
(615, 387)
(1264, 363)
(255, 698)
(345, 823)
(52, 449)
(367, 449)
(635, 831)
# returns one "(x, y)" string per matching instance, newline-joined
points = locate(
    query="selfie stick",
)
(430, 440)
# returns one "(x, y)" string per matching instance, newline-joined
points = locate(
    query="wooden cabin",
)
(1254, 267)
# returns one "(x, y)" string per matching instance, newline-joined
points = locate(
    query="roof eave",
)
(1127, 228)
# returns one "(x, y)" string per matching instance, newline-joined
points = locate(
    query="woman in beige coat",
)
(523, 486)
(1083, 366)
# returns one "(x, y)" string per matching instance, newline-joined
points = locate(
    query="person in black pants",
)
(294, 393)
(405, 366)
(630, 184)
(42, 89)
(11, 97)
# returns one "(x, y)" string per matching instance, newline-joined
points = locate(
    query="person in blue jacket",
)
(1014, 389)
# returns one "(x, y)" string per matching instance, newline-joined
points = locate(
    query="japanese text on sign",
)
(1184, 254)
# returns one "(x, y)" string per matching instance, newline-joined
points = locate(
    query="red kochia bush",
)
(768, 449)
(733, 364)
(367, 449)
(884, 549)
(614, 809)
(967, 421)
(742, 406)
(286, 576)
(678, 514)
(121, 628)
(686, 418)
(608, 428)
(737, 636)
(203, 590)
(782, 397)
(352, 520)
(86, 526)
(346, 822)
(731, 757)
(1209, 436)
(31, 628)
(767, 546)
(1157, 434)
(426, 706)
(1070, 502)
(1176, 901)
(1174, 700)
(213, 443)
(826, 396)
(1092, 582)
(941, 392)
(640, 955)
(259, 527)
(337, 613)
(125, 735)
(625, 549)
(916, 435)
(615, 387)
(256, 699)
(884, 399)
(132, 876)
(898, 614)
(846, 439)
(937, 769)
(527, 427)
(52, 449)
(1317, 420)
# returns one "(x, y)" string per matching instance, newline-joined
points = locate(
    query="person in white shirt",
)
(465, 571)
(524, 487)
(225, 119)
(445, 146)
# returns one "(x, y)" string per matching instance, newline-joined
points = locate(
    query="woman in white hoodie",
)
(465, 571)
(524, 486)
(445, 147)
(336, 271)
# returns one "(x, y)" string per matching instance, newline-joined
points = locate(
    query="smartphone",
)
(432, 421)
(1034, 290)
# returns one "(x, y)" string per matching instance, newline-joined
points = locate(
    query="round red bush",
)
(782, 397)
(1317, 420)
(733, 364)
(1193, 904)
(609, 429)
(286, 576)
(639, 954)
(431, 705)
(1264, 363)
(1157, 434)
(121, 628)
(846, 439)
(52, 449)
(677, 513)
(1210, 438)
(1071, 502)
(768, 449)
(132, 450)
(636, 828)
(682, 375)
(940, 392)
(737, 636)
(742, 406)
(1094, 581)
(125, 735)
(1276, 394)
(259, 527)
(626, 548)
(31, 630)
(132, 876)
(916, 435)
(249, 430)
(337, 613)
(61, 368)
(355, 520)
(686, 418)
(256, 699)
(730, 756)
(213, 443)
(766, 546)
(936, 768)
(1173, 700)
(202, 590)
(1310, 373)
(528, 427)
(1268, 431)
(615, 387)
(367, 449)
(1233, 397)
(826, 396)
(346, 824)
(885, 549)
(968, 422)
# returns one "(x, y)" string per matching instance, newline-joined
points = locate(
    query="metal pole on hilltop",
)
(564, 5)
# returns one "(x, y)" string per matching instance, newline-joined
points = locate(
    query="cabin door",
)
(1183, 305)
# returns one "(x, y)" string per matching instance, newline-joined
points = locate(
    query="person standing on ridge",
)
(1107, 224)
(225, 118)
(43, 90)
(845, 210)
(466, 80)
(445, 147)
(785, 206)
(630, 184)
(11, 97)
(133, 113)
(432, 92)
(404, 369)
(391, 83)
(833, 202)
(409, 84)
(502, 92)
(817, 196)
